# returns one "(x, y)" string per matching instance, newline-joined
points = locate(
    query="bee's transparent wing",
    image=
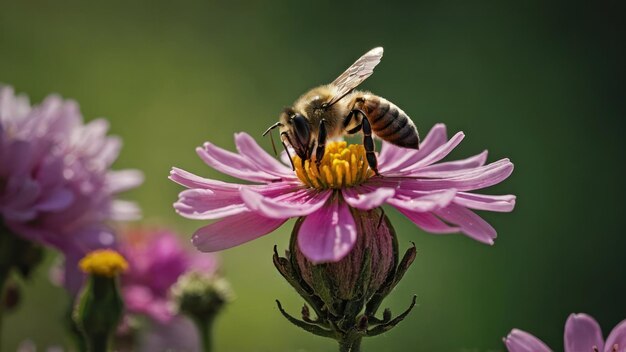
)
(356, 73)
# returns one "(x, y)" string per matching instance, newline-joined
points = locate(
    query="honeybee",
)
(337, 109)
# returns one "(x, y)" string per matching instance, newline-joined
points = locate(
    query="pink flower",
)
(434, 195)
(157, 259)
(582, 334)
(180, 334)
(56, 186)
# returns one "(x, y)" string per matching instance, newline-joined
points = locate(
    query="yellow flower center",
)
(103, 262)
(342, 166)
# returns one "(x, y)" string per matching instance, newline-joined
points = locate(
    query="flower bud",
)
(363, 271)
(346, 295)
(200, 295)
(99, 307)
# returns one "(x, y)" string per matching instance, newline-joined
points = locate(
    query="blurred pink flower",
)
(56, 186)
(582, 334)
(180, 335)
(434, 195)
(157, 258)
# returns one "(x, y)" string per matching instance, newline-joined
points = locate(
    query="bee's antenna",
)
(277, 124)
(273, 145)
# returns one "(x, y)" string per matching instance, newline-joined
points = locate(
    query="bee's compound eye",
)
(301, 127)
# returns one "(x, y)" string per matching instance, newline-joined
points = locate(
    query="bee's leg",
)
(321, 143)
(347, 119)
(293, 167)
(310, 149)
(368, 142)
(355, 130)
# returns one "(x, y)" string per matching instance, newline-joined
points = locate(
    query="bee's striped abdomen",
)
(389, 122)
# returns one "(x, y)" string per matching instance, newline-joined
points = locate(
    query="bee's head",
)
(297, 130)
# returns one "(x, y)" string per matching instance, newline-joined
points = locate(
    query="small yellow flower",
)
(103, 262)
(343, 165)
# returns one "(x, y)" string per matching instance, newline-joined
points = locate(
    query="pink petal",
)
(123, 210)
(504, 203)
(233, 231)
(233, 164)
(50, 172)
(284, 157)
(482, 177)
(206, 204)
(437, 154)
(123, 180)
(458, 174)
(360, 198)
(464, 164)
(329, 234)
(582, 333)
(178, 335)
(141, 300)
(521, 341)
(286, 203)
(393, 158)
(617, 337)
(111, 150)
(423, 202)
(57, 199)
(248, 147)
(469, 223)
(187, 179)
(23, 193)
(20, 159)
(428, 222)
(91, 132)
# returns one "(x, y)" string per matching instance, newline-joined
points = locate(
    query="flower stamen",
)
(342, 166)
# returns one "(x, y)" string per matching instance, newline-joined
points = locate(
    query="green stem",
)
(4, 275)
(98, 343)
(205, 329)
(356, 345)
(350, 344)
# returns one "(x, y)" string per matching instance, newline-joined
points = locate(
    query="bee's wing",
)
(356, 73)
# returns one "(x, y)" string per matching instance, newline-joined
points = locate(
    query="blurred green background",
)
(541, 83)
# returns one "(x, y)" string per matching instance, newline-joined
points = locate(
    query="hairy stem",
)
(350, 344)
(356, 345)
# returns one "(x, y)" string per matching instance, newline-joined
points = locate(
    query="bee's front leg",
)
(283, 136)
(321, 143)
